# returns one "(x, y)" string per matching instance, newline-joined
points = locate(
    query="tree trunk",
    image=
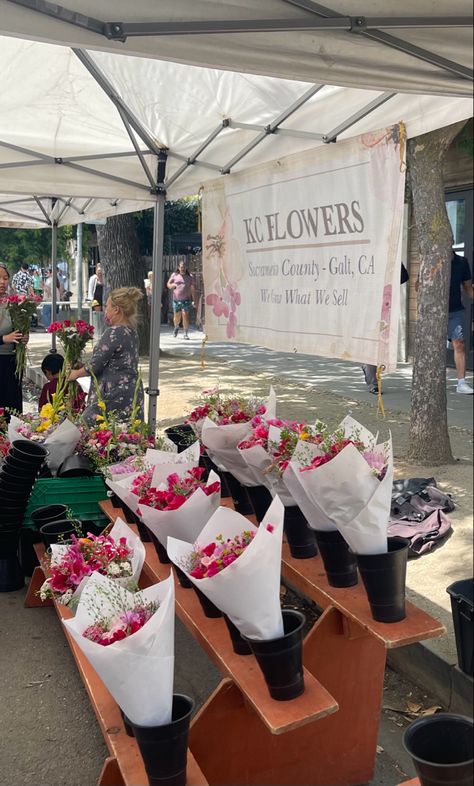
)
(123, 266)
(429, 437)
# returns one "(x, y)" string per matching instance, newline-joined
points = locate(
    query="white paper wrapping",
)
(221, 444)
(61, 443)
(119, 530)
(348, 493)
(187, 521)
(138, 671)
(248, 590)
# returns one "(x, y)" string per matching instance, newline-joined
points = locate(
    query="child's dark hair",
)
(53, 362)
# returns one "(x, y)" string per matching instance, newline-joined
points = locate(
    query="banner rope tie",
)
(203, 351)
(380, 406)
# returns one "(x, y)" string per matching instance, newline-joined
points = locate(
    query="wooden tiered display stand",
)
(326, 737)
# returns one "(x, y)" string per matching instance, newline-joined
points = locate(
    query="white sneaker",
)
(464, 387)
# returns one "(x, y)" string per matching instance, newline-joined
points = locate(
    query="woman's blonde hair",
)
(126, 299)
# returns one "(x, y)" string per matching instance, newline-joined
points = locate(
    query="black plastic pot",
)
(301, 539)
(11, 574)
(462, 607)
(239, 494)
(126, 724)
(116, 501)
(261, 500)
(27, 555)
(160, 549)
(441, 747)
(47, 513)
(339, 563)
(76, 466)
(183, 579)
(143, 530)
(281, 659)
(209, 608)
(17, 477)
(181, 435)
(384, 577)
(164, 749)
(15, 464)
(59, 531)
(27, 450)
(239, 644)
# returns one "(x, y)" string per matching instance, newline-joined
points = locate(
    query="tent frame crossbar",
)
(23, 215)
(321, 18)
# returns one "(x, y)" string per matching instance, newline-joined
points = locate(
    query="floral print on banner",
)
(115, 365)
(226, 298)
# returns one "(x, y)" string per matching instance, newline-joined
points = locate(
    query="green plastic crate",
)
(81, 495)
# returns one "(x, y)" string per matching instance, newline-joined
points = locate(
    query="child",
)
(51, 368)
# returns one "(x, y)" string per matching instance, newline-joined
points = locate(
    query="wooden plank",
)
(309, 577)
(413, 782)
(123, 749)
(279, 717)
(212, 634)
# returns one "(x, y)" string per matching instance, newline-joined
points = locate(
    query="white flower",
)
(113, 570)
(66, 597)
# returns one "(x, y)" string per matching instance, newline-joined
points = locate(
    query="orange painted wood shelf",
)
(413, 782)
(345, 652)
(309, 576)
(124, 766)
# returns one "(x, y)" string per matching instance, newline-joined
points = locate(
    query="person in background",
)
(370, 371)
(37, 282)
(11, 395)
(95, 294)
(181, 283)
(22, 281)
(460, 281)
(51, 367)
(149, 291)
(47, 294)
(114, 360)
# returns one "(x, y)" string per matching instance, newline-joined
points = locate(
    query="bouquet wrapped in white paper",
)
(221, 438)
(60, 440)
(120, 555)
(349, 486)
(122, 485)
(152, 456)
(138, 668)
(246, 587)
(185, 513)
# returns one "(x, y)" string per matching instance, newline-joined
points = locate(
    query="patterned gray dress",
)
(115, 364)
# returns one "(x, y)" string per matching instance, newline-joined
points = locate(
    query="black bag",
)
(414, 499)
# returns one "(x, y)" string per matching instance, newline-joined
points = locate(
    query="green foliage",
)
(32, 246)
(464, 140)
(181, 216)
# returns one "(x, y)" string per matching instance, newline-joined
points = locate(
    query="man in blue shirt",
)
(461, 280)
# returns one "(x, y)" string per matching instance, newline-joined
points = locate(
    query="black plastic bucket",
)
(462, 607)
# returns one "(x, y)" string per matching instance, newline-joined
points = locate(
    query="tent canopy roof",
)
(87, 127)
(423, 47)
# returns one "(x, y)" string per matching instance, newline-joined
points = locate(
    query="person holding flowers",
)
(114, 363)
(11, 396)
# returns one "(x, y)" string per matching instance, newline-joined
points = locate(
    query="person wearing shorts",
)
(461, 280)
(181, 283)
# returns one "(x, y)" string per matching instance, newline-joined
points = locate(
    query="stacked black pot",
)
(17, 478)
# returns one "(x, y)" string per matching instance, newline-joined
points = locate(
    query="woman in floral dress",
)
(114, 360)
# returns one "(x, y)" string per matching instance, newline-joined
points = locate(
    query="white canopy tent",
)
(422, 47)
(87, 134)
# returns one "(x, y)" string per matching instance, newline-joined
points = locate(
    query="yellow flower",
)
(99, 418)
(137, 423)
(101, 405)
(304, 435)
(47, 411)
(44, 425)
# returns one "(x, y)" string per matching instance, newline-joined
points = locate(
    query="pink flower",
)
(219, 307)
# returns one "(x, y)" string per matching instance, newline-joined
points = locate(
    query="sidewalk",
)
(309, 387)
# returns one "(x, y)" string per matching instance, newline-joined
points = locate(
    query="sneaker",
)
(186, 337)
(464, 387)
(175, 332)
(374, 390)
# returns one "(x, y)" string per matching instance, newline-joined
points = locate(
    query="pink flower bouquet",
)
(238, 566)
(347, 485)
(179, 503)
(222, 435)
(119, 555)
(137, 667)
(270, 447)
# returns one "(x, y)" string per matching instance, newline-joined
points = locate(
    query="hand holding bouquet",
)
(20, 309)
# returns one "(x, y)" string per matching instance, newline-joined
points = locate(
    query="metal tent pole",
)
(79, 273)
(54, 273)
(153, 380)
(155, 323)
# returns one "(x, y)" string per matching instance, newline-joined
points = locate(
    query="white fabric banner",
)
(303, 254)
